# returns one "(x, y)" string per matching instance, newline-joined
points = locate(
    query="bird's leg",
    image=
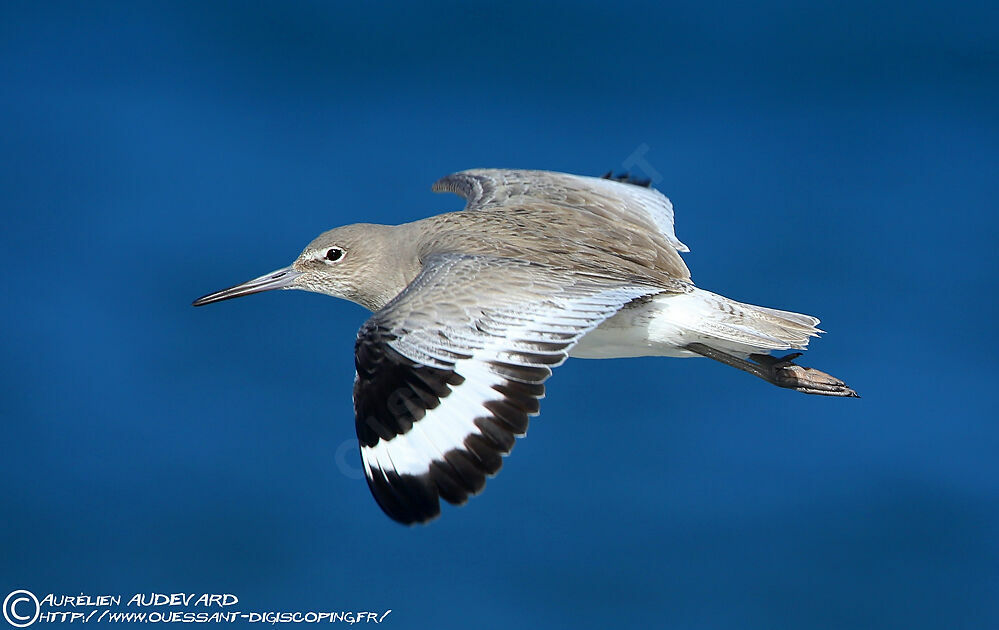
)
(781, 371)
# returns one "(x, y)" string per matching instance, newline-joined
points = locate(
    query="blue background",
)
(833, 158)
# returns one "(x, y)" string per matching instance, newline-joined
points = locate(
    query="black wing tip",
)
(628, 178)
(406, 499)
(462, 474)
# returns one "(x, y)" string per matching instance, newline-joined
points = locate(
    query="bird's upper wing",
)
(604, 197)
(449, 371)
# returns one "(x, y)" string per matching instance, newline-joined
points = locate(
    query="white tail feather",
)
(667, 323)
(717, 320)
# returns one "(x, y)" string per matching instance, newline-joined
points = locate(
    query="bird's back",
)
(555, 236)
(593, 224)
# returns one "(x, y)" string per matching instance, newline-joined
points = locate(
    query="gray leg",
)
(781, 371)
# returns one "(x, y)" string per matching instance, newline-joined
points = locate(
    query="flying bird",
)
(473, 309)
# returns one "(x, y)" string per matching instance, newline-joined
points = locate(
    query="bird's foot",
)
(784, 372)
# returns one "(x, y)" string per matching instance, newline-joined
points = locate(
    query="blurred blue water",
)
(838, 159)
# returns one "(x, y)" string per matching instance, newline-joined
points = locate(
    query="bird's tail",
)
(742, 329)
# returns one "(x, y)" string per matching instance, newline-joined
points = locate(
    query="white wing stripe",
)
(447, 426)
(443, 428)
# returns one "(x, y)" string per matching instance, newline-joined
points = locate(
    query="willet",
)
(473, 309)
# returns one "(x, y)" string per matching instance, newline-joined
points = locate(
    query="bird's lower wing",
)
(450, 370)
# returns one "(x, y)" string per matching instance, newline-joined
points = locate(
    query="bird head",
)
(357, 262)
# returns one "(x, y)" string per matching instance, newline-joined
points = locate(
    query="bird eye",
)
(334, 254)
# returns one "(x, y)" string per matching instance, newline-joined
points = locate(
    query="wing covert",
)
(607, 197)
